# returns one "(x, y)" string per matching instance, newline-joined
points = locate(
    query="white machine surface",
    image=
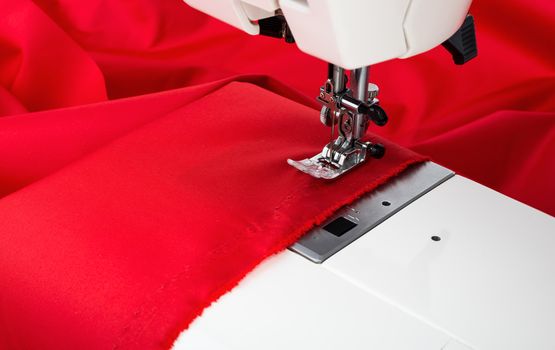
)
(350, 33)
(487, 283)
(451, 265)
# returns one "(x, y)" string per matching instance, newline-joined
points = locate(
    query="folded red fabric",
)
(123, 248)
(37, 144)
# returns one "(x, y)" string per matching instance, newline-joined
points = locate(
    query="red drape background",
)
(491, 120)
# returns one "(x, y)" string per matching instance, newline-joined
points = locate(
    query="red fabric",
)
(123, 248)
(62, 244)
(35, 145)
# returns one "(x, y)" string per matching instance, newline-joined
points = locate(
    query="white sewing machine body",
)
(351, 35)
(488, 283)
(434, 262)
(384, 30)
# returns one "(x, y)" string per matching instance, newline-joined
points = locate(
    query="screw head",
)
(373, 91)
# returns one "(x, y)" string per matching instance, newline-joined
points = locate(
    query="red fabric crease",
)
(38, 144)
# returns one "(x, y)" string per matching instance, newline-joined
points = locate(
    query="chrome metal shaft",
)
(359, 88)
(338, 78)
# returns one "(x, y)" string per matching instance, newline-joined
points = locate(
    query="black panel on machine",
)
(339, 226)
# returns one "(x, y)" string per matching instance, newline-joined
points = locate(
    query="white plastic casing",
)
(487, 284)
(350, 33)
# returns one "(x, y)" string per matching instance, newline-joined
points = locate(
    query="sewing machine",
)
(430, 260)
(344, 33)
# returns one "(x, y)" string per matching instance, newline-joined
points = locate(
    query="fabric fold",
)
(125, 247)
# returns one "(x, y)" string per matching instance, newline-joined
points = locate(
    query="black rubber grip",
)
(462, 45)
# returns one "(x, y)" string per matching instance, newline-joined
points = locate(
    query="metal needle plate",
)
(370, 211)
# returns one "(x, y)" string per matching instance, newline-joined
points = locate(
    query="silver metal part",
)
(320, 166)
(371, 210)
(348, 111)
(338, 79)
(373, 91)
(359, 88)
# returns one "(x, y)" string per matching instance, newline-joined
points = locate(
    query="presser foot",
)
(333, 163)
(349, 110)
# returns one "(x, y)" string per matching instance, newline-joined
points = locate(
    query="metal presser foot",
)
(349, 110)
